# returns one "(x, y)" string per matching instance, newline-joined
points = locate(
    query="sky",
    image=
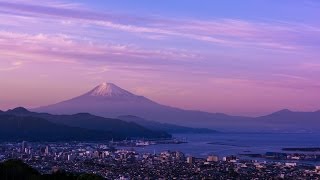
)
(248, 57)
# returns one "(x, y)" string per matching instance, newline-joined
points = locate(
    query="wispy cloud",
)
(289, 82)
(223, 32)
(310, 66)
(14, 65)
(63, 48)
(294, 77)
(49, 3)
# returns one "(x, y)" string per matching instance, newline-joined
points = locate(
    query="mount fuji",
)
(109, 100)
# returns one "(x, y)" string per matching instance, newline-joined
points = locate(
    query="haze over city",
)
(236, 57)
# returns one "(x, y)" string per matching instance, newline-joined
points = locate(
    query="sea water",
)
(226, 144)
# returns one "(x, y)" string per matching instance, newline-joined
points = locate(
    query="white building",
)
(290, 164)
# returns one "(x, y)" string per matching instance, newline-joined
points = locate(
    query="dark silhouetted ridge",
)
(18, 110)
(18, 128)
(115, 127)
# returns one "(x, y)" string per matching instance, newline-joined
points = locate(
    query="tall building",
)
(190, 160)
(24, 145)
(47, 150)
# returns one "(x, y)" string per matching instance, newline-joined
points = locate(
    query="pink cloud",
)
(225, 32)
(63, 48)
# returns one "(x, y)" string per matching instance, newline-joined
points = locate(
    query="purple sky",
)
(246, 58)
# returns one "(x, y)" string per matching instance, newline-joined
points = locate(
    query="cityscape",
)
(164, 90)
(107, 162)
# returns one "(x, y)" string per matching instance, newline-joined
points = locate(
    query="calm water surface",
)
(223, 144)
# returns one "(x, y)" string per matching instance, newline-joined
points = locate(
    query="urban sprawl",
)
(116, 163)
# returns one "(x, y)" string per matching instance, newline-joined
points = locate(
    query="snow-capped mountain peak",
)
(109, 90)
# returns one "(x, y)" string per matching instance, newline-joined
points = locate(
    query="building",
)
(47, 151)
(24, 145)
(290, 164)
(180, 156)
(190, 160)
(212, 159)
(71, 157)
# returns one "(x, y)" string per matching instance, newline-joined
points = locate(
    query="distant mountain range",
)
(290, 120)
(110, 101)
(21, 124)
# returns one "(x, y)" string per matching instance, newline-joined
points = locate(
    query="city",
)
(111, 163)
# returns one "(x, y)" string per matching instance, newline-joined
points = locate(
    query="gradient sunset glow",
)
(238, 57)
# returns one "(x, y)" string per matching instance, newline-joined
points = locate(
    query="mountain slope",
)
(88, 121)
(170, 128)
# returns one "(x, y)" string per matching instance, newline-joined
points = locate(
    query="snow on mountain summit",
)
(109, 90)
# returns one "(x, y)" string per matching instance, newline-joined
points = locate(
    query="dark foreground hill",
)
(108, 128)
(17, 170)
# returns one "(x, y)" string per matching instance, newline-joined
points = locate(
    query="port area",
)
(146, 142)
